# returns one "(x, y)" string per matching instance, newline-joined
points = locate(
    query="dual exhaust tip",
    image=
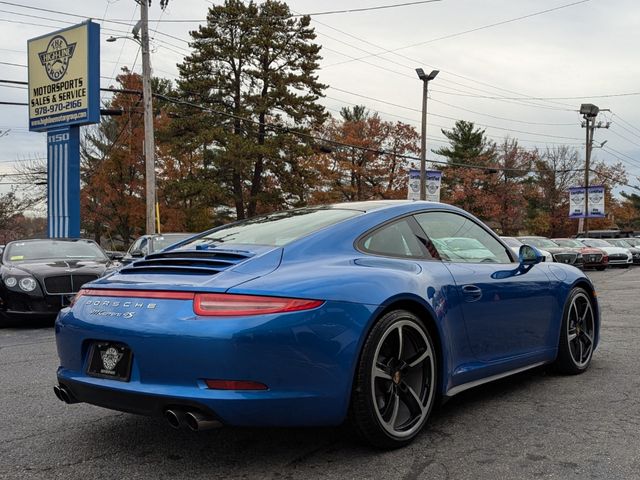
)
(63, 394)
(195, 421)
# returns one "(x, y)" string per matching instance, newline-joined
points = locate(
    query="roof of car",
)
(371, 205)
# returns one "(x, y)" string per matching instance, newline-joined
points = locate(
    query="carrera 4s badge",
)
(114, 305)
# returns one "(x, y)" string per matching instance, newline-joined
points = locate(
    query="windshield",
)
(53, 250)
(512, 242)
(618, 242)
(276, 229)
(163, 241)
(633, 241)
(539, 242)
(596, 242)
(567, 242)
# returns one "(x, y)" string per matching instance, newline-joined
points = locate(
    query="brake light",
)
(229, 305)
(234, 385)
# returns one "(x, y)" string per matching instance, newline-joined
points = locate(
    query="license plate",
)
(110, 360)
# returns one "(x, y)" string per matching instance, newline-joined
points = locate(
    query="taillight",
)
(229, 305)
(77, 296)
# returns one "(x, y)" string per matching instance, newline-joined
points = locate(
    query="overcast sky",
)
(588, 50)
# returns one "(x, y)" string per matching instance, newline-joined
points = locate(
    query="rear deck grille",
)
(200, 262)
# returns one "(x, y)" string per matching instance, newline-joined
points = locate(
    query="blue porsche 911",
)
(372, 310)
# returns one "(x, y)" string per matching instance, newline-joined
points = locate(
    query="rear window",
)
(276, 229)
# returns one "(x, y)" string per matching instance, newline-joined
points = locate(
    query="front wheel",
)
(395, 383)
(577, 338)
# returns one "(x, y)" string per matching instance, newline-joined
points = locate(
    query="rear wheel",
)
(395, 384)
(578, 333)
(600, 268)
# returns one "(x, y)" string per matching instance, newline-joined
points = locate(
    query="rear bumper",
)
(306, 359)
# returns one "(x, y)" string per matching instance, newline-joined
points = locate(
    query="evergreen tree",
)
(252, 66)
(468, 145)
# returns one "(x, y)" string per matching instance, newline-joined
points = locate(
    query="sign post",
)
(64, 93)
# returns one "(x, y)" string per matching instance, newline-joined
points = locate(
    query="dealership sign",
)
(64, 77)
(64, 93)
(432, 185)
(577, 202)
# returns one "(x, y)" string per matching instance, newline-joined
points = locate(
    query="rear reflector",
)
(234, 385)
(229, 305)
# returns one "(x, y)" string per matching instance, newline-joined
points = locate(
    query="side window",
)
(135, 246)
(144, 246)
(397, 239)
(459, 239)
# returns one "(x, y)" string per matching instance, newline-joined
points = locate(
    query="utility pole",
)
(149, 142)
(589, 113)
(423, 144)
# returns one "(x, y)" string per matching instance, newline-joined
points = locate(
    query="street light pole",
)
(149, 142)
(423, 143)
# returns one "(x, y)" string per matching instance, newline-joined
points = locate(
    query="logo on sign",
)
(55, 58)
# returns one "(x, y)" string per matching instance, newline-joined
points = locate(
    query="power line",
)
(12, 64)
(451, 118)
(625, 122)
(286, 129)
(520, 102)
(483, 27)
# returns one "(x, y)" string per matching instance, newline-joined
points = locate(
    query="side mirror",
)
(137, 254)
(115, 255)
(529, 255)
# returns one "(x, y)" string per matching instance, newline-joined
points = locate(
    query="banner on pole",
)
(577, 200)
(433, 180)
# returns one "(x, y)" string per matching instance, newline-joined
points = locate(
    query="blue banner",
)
(63, 182)
(577, 202)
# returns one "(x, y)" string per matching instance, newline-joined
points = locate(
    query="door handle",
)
(471, 293)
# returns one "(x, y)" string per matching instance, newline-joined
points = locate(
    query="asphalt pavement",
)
(534, 425)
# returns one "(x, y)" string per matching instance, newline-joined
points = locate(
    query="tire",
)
(577, 335)
(396, 380)
(600, 269)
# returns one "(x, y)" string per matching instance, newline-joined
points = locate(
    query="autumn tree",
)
(253, 66)
(12, 209)
(507, 185)
(368, 157)
(468, 149)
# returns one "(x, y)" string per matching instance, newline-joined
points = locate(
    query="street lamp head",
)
(424, 77)
(589, 110)
(111, 39)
